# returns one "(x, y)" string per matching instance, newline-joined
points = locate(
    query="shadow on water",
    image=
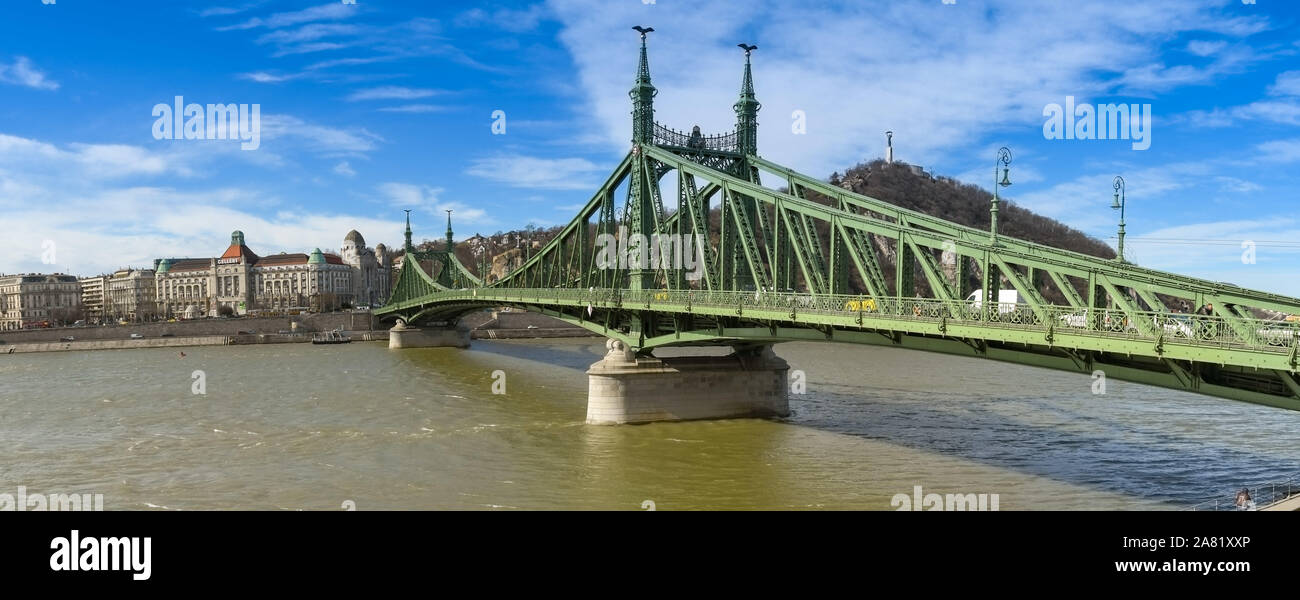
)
(1139, 441)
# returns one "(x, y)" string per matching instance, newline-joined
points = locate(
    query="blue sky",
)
(385, 105)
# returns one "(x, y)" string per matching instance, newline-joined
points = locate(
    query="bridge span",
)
(738, 263)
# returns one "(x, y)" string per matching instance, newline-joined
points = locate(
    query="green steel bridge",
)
(807, 262)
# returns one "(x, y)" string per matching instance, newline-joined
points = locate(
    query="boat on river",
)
(330, 337)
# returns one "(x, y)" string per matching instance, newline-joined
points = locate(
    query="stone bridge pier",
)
(626, 388)
(446, 335)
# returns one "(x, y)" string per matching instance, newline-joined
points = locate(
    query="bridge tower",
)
(628, 387)
(639, 209)
(747, 110)
(746, 107)
(444, 276)
(430, 335)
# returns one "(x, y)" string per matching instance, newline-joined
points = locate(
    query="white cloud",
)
(1285, 111)
(264, 77)
(1205, 47)
(427, 199)
(1084, 202)
(415, 108)
(392, 92)
(95, 161)
(1160, 77)
(1213, 250)
(538, 173)
(1279, 151)
(21, 72)
(223, 11)
(308, 48)
(1287, 84)
(515, 21)
(322, 139)
(309, 33)
(408, 194)
(344, 168)
(884, 66)
(89, 200)
(325, 12)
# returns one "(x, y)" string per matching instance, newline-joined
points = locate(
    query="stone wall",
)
(167, 342)
(358, 321)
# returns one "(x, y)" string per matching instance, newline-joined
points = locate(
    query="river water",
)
(297, 426)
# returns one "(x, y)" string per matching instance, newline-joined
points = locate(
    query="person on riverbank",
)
(1244, 501)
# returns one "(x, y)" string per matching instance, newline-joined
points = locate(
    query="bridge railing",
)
(1199, 330)
(1258, 496)
(667, 136)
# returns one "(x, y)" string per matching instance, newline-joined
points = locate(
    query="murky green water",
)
(296, 426)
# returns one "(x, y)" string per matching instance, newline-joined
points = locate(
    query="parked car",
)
(168, 335)
(1277, 335)
(1078, 319)
(867, 305)
(1178, 325)
(137, 336)
(67, 338)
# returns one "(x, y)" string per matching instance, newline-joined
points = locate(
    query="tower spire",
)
(642, 94)
(747, 109)
(408, 247)
(449, 246)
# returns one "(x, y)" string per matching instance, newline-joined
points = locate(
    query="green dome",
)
(317, 258)
(164, 265)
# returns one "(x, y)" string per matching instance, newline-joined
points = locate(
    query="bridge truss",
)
(728, 260)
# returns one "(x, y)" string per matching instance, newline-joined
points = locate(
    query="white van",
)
(1007, 300)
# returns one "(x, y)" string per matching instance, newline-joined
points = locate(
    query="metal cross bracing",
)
(813, 261)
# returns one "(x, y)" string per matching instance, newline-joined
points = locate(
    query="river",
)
(297, 426)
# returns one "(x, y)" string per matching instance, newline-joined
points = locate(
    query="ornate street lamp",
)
(1004, 163)
(1118, 203)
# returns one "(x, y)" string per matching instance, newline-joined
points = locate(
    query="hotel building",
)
(240, 281)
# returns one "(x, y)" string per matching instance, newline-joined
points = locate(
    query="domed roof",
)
(317, 257)
(164, 265)
(355, 237)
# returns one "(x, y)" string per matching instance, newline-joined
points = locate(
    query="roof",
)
(355, 237)
(237, 251)
(190, 264)
(276, 260)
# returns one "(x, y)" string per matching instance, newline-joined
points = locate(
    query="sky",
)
(511, 113)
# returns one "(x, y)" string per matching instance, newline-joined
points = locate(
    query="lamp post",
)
(1003, 162)
(1118, 203)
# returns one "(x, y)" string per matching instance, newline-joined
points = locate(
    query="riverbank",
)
(492, 333)
(361, 326)
(174, 341)
(306, 324)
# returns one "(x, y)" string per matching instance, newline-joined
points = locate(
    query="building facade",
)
(130, 295)
(92, 297)
(371, 283)
(38, 300)
(239, 281)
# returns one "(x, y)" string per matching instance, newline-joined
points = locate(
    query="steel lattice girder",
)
(550, 283)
